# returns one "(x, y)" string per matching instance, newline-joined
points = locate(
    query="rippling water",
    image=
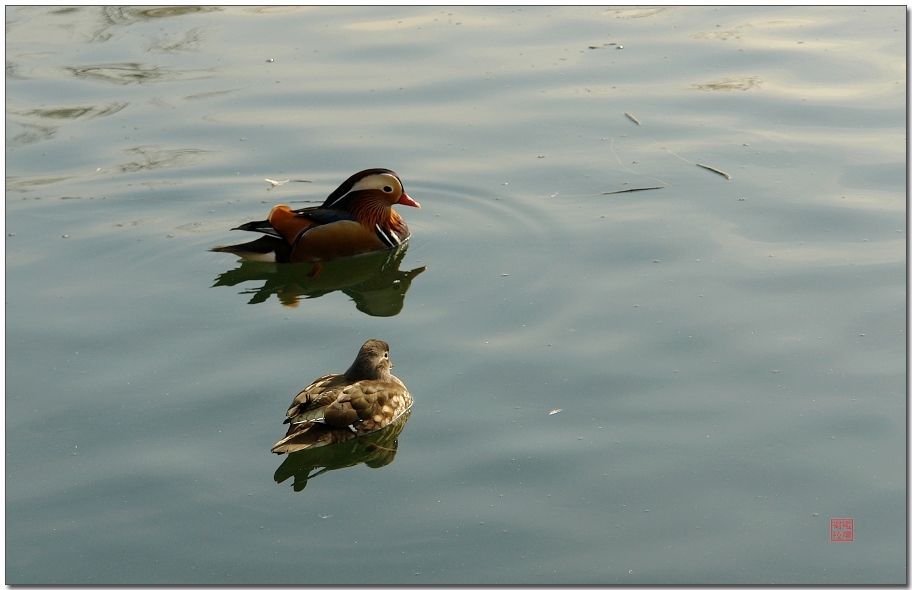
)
(725, 345)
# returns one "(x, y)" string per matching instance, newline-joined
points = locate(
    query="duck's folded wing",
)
(374, 404)
(294, 224)
(309, 403)
(286, 224)
(320, 216)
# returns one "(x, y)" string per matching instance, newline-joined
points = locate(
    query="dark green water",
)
(728, 355)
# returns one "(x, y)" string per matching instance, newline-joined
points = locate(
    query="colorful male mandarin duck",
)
(335, 408)
(357, 217)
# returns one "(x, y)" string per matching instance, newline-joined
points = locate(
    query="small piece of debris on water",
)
(555, 411)
(274, 183)
(711, 169)
(633, 190)
(632, 118)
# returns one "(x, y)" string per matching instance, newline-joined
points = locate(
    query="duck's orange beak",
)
(407, 200)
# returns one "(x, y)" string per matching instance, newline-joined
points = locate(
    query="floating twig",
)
(711, 169)
(633, 190)
(632, 118)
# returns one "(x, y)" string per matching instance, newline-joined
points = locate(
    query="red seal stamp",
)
(842, 530)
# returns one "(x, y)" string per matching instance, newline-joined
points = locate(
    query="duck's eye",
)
(386, 355)
(387, 189)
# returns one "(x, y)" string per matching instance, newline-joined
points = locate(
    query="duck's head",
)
(379, 183)
(373, 362)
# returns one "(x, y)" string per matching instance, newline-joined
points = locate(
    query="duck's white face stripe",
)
(381, 182)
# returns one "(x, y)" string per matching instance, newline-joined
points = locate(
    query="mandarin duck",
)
(339, 407)
(357, 217)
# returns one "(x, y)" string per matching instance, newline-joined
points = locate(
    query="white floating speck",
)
(556, 411)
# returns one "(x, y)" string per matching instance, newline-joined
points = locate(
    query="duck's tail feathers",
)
(311, 435)
(261, 226)
(266, 249)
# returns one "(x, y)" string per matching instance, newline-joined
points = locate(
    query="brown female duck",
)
(338, 407)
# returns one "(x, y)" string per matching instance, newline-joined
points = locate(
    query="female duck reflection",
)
(367, 399)
(356, 219)
(375, 450)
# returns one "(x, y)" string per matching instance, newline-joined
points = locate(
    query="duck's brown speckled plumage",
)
(337, 407)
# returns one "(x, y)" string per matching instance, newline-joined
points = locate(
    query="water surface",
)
(727, 355)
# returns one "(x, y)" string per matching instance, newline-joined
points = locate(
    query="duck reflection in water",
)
(373, 281)
(375, 450)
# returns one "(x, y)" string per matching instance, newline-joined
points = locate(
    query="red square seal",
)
(842, 530)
